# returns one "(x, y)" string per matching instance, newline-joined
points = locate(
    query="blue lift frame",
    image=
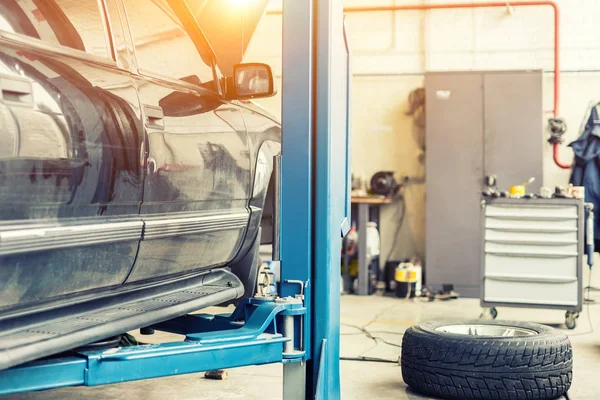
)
(301, 329)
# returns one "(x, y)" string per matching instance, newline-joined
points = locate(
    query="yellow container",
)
(517, 191)
(406, 275)
(352, 267)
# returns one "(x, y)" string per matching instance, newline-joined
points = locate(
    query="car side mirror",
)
(251, 81)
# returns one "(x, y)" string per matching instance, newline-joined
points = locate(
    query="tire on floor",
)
(440, 361)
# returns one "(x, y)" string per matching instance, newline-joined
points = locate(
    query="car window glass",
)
(162, 45)
(77, 24)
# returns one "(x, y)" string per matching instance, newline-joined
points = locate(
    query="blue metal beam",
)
(140, 362)
(41, 375)
(330, 190)
(314, 172)
(180, 358)
(297, 153)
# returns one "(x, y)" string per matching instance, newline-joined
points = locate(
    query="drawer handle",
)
(519, 218)
(525, 242)
(525, 228)
(531, 255)
(531, 278)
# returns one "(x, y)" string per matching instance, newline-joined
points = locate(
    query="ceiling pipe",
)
(448, 6)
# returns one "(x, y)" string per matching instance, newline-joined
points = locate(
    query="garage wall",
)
(392, 50)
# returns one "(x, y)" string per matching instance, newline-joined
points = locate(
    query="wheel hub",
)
(486, 330)
(265, 285)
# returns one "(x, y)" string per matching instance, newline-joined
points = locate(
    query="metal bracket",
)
(257, 323)
(297, 282)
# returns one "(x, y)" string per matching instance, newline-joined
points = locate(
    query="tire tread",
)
(504, 369)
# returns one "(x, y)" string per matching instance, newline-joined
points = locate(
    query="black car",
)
(133, 173)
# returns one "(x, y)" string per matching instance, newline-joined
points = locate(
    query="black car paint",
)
(102, 173)
(75, 162)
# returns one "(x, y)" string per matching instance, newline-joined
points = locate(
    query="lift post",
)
(315, 166)
(301, 328)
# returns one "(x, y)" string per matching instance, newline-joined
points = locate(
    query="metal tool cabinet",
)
(472, 132)
(532, 254)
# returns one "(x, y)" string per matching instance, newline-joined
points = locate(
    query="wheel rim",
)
(486, 330)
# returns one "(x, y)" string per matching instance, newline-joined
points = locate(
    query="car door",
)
(264, 136)
(70, 171)
(197, 185)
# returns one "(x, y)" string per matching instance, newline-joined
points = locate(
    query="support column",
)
(314, 181)
(330, 191)
(297, 178)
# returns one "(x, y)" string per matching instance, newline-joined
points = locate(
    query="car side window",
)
(163, 46)
(77, 24)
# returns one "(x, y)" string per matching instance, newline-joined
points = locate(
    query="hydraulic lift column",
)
(314, 207)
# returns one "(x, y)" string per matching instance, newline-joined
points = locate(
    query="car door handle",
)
(154, 117)
(16, 89)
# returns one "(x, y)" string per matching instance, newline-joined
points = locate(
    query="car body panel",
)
(197, 186)
(114, 178)
(70, 173)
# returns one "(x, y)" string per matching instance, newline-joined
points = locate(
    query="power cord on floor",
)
(587, 301)
(361, 333)
(370, 335)
(369, 359)
(376, 339)
(590, 289)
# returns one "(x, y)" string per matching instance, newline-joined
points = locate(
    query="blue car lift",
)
(301, 328)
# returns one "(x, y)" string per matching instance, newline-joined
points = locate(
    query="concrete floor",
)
(385, 318)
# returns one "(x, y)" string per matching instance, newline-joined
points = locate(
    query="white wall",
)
(392, 50)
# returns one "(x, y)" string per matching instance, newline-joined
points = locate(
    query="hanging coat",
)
(586, 166)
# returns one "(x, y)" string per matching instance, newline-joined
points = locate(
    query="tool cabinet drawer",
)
(532, 249)
(526, 290)
(514, 224)
(565, 267)
(530, 233)
(524, 212)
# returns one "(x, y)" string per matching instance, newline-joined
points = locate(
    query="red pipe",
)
(426, 7)
(555, 154)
